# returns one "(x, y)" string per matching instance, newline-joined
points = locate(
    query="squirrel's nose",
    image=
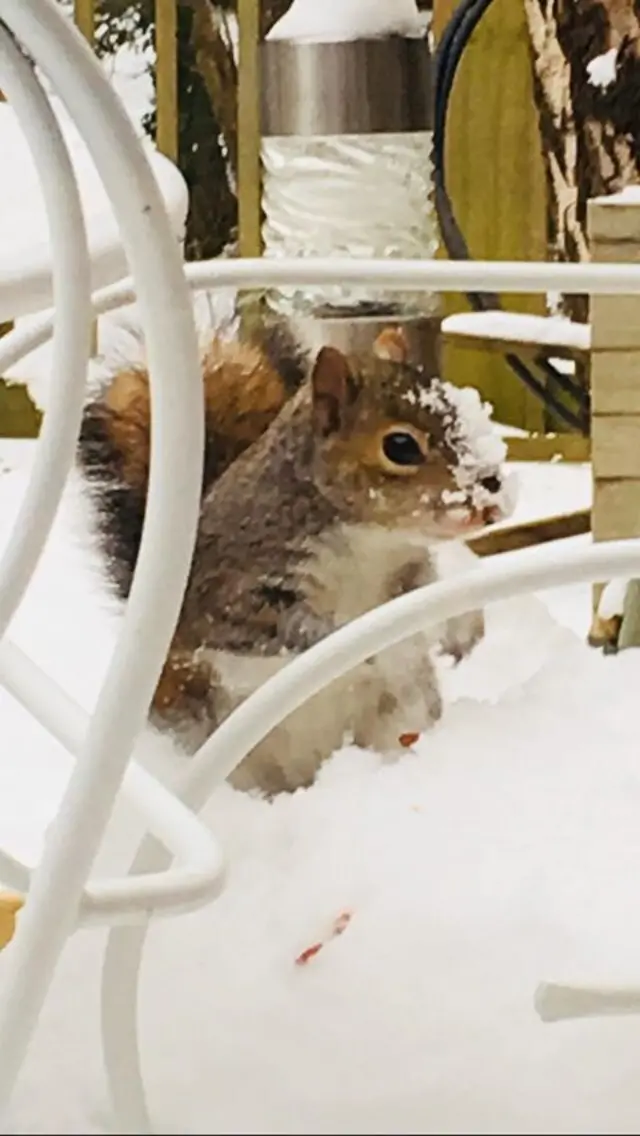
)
(492, 484)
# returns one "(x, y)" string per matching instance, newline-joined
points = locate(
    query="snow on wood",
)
(612, 599)
(602, 69)
(552, 331)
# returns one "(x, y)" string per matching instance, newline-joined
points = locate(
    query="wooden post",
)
(496, 179)
(84, 14)
(166, 20)
(19, 417)
(7, 325)
(249, 173)
(614, 234)
(249, 131)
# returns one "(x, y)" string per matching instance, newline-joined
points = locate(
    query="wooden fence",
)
(496, 180)
(166, 29)
(496, 174)
(166, 77)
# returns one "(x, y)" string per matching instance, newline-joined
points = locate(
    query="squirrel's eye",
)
(400, 448)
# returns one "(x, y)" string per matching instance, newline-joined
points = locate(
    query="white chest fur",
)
(347, 573)
(355, 568)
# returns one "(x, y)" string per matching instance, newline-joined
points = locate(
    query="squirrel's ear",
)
(392, 345)
(332, 390)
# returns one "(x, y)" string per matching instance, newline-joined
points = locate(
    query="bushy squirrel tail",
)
(246, 382)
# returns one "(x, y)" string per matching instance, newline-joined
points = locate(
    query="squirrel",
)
(327, 481)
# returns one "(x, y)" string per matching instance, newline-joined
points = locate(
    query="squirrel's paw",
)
(462, 634)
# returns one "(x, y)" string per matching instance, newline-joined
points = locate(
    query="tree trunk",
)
(587, 76)
(209, 91)
(589, 116)
(207, 84)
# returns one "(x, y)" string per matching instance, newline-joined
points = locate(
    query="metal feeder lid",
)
(362, 86)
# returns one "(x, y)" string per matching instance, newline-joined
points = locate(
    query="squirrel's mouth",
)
(456, 521)
(466, 511)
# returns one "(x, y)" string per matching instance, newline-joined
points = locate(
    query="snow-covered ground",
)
(504, 850)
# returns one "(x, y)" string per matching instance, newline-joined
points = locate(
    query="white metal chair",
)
(60, 894)
(58, 898)
(25, 265)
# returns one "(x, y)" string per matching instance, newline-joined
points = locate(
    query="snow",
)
(611, 601)
(602, 69)
(630, 195)
(458, 867)
(24, 230)
(472, 435)
(502, 850)
(554, 331)
(120, 341)
(128, 71)
(339, 20)
(486, 860)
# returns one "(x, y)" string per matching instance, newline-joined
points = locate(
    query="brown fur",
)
(245, 385)
(605, 633)
(306, 523)
(291, 488)
(183, 678)
(242, 396)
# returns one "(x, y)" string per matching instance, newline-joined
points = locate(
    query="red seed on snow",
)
(308, 954)
(407, 740)
(342, 922)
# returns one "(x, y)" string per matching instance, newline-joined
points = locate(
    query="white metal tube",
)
(47, 34)
(127, 898)
(521, 276)
(504, 577)
(401, 275)
(434, 275)
(556, 1002)
(604, 278)
(119, 1009)
(511, 574)
(14, 873)
(407, 275)
(71, 347)
(601, 278)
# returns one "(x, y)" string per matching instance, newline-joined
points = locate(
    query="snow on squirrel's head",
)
(396, 447)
